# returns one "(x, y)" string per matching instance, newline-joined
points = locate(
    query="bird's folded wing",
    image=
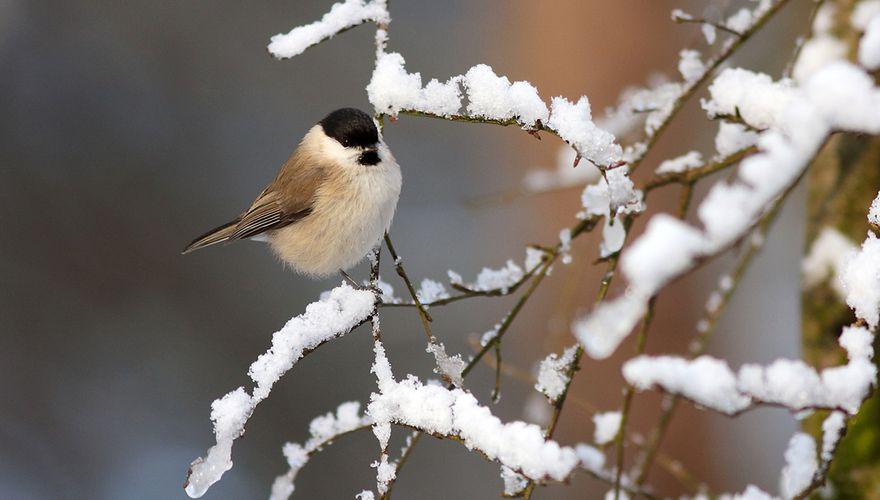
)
(286, 200)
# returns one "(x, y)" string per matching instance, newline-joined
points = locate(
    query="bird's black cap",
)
(351, 127)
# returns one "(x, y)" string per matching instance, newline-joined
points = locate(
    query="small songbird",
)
(330, 204)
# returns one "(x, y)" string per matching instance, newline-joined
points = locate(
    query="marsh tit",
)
(330, 204)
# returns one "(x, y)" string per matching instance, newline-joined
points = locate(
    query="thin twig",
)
(706, 327)
(693, 175)
(691, 87)
(544, 268)
(717, 25)
(398, 265)
(620, 438)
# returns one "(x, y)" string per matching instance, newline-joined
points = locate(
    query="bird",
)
(331, 203)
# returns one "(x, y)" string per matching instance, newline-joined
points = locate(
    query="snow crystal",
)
(865, 11)
(449, 367)
(858, 342)
(690, 66)
(800, 465)
(733, 137)
(591, 458)
(741, 21)
(342, 16)
(683, 163)
(861, 280)
(392, 89)
(817, 52)
(666, 249)
(553, 374)
(607, 425)
(752, 492)
(874, 212)
(604, 329)
(679, 15)
(753, 96)
(613, 236)
(437, 410)
(365, 495)
(385, 473)
(534, 258)
(614, 193)
(322, 430)
(387, 293)
(489, 335)
(725, 283)
(826, 258)
(431, 291)
(705, 380)
(619, 495)
(709, 33)
(799, 120)
(565, 245)
(790, 383)
(795, 385)
(540, 180)
(492, 279)
(832, 427)
(869, 46)
(322, 321)
(513, 482)
(490, 96)
(846, 97)
(325, 427)
(659, 101)
(574, 124)
(494, 97)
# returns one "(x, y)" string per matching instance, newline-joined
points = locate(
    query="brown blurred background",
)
(127, 128)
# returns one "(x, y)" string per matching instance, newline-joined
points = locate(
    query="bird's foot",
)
(358, 286)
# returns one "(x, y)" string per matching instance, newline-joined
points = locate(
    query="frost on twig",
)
(607, 425)
(449, 367)
(500, 280)
(323, 431)
(797, 121)
(455, 413)
(553, 374)
(393, 90)
(826, 260)
(800, 465)
(342, 16)
(710, 383)
(339, 312)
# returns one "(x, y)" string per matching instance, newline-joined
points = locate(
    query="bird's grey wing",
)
(288, 199)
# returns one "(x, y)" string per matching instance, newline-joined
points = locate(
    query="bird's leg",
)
(354, 284)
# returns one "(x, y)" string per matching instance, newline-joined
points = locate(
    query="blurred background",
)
(128, 128)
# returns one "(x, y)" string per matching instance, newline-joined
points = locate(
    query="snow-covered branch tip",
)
(455, 413)
(323, 431)
(342, 17)
(336, 314)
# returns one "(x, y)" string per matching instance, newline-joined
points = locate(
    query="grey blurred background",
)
(128, 128)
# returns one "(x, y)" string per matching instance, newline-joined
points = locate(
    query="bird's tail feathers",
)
(212, 237)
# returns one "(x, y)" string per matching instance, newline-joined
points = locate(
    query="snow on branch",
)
(797, 120)
(490, 98)
(793, 384)
(342, 16)
(343, 309)
(455, 413)
(323, 430)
